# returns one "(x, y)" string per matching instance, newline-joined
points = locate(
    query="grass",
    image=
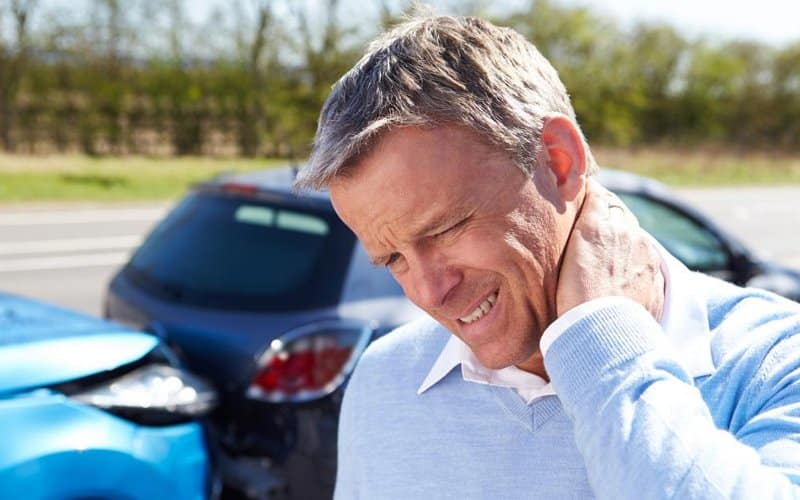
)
(82, 178)
(704, 167)
(61, 178)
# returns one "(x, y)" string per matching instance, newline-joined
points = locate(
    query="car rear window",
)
(222, 251)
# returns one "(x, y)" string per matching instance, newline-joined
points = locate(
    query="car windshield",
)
(217, 250)
(691, 243)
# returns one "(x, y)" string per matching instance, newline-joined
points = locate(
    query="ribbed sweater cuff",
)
(601, 341)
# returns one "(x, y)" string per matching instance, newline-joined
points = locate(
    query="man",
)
(567, 355)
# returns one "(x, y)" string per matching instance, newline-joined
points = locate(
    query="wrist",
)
(568, 318)
(616, 330)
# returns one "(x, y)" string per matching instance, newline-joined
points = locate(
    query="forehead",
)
(414, 175)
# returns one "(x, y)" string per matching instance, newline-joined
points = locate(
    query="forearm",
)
(643, 429)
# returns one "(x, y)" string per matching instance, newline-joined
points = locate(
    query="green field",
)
(82, 178)
(706, 167)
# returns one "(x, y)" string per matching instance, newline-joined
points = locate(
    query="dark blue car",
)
(265, 292)
(268, 295)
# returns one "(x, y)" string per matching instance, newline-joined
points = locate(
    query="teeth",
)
(481, 310)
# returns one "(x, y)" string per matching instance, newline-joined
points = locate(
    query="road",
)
(68, 255)
(767, 219)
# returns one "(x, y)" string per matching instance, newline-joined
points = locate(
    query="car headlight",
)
(153, 394)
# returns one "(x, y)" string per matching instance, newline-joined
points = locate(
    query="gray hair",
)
(434, 71)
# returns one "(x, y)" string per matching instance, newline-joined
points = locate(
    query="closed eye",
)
(391, 259)
(450, 229)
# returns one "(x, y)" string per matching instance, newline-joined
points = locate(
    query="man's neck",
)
(535, 365)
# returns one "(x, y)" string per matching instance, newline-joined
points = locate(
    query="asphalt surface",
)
(766, 219)
(67, 255)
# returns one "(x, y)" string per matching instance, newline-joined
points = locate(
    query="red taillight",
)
(309, 363)
(239, 188)
(303, 370)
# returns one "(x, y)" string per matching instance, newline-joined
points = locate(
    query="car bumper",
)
(289, 448)
(56, 448)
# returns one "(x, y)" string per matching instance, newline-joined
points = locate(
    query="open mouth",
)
(480, 311)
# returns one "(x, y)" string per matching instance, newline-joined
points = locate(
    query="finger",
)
(596, 202)
(617, 210)
(602, 210)
(600, 195)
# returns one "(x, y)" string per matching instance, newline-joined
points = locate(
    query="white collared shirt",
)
(684, 320)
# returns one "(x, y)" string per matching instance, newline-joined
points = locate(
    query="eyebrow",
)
(435, 225)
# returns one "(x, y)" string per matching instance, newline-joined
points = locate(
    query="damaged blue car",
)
(91, 409)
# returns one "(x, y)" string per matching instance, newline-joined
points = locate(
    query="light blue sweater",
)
(628, 422)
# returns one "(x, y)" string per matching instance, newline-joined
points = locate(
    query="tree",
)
(14, 61)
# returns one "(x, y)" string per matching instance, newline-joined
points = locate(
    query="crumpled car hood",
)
(42, 345)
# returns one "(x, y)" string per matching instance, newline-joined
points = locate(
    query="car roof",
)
(279, 181)
(275, 180)
(619, 180)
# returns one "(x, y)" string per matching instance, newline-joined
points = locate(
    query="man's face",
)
(472, 240)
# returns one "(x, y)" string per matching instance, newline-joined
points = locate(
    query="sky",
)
(776, 22)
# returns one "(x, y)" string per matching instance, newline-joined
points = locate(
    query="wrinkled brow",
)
(437, 223)
(425, 228)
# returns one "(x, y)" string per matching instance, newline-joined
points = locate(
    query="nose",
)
(430, 280)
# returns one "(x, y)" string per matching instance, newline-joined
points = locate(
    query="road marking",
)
(69, 245)
(81, 216)
(69, 262)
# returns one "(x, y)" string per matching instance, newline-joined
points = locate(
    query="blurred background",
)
(117, 102)
(246, 78)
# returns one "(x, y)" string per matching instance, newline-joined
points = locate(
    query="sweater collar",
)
(684, 321)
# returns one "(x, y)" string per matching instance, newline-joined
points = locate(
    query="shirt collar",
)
(529, 386)
(684, 320)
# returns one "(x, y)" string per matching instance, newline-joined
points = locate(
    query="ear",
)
(566, 155)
